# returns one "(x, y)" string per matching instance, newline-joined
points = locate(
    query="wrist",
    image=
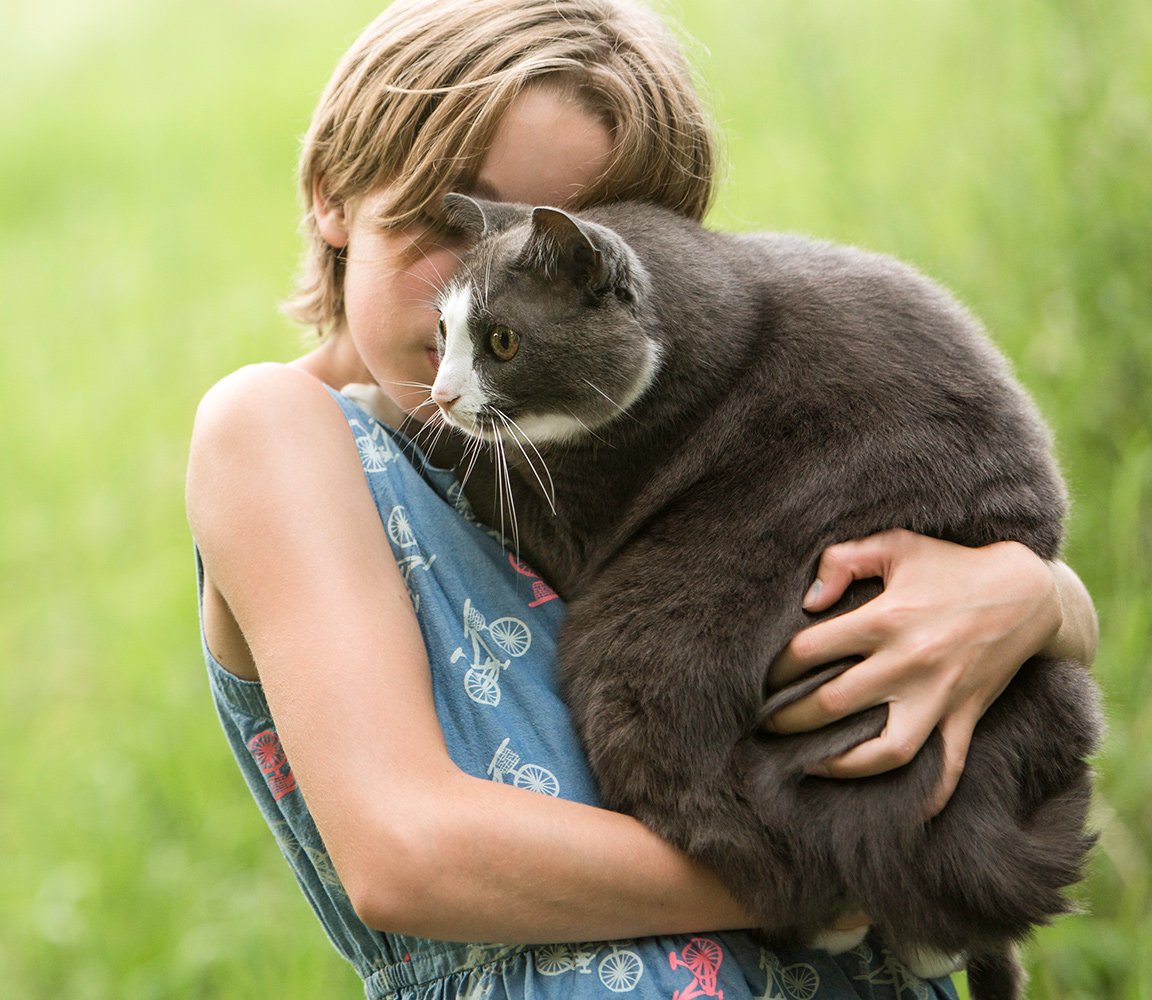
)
(1035, 582)
(1055, 604)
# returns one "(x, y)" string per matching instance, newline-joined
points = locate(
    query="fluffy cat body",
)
(713, 411)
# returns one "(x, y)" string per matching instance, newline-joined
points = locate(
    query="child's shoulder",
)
(267, 420)
(268, 390)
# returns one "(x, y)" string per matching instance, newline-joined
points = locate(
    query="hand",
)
(949, 631)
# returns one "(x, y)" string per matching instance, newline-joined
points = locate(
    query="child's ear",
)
(330, 216)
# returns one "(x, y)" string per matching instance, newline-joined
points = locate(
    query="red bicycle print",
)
(273, 762)
(701, 957)
(509, 635)
(541, 592)
(620, 970)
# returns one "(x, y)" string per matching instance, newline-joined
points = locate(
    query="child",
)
(382, 667)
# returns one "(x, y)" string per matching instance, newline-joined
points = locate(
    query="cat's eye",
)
(504, 342)
(442, 332)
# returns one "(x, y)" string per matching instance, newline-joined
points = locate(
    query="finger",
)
(844, 562)
(957, 734)
(852, 634)
(859, 687)
(901, 740)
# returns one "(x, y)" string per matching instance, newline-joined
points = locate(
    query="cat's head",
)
(542, 330)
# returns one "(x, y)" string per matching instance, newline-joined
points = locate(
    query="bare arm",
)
(948, 633)
(290, 537)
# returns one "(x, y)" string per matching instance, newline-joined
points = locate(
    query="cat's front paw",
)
(928, 963)
(372, 399)
(836, 942)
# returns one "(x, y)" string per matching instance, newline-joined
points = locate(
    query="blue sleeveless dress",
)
(490, 624)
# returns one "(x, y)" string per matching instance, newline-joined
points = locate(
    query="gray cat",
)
(689, 418)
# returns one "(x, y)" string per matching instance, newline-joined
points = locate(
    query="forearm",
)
(490, 862)
(1079, 631)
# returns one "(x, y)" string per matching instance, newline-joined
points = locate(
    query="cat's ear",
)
(559, 242)
(478, 218)
(590, 255)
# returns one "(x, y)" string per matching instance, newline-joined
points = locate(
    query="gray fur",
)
(807, 394)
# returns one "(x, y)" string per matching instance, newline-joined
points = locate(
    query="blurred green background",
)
(147, 232)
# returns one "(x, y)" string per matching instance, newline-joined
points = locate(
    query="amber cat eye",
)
(504, 341)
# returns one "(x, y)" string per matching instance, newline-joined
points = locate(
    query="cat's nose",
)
(445, 397)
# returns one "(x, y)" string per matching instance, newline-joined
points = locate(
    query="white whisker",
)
(423, 427)
(499, 456)
(414, 385)
(591, 433)
(505, 479)
(432, 429)
(610, 399)
(549, 491)
(472, 454)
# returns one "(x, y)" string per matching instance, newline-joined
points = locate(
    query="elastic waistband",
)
(455, 960)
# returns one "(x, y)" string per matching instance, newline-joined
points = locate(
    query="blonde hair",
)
(416, 100)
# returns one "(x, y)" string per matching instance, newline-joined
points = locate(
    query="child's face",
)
(546, 149)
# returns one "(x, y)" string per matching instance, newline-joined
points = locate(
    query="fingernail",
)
(818, 771)
(813, 593)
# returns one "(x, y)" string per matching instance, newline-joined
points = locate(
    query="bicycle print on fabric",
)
(375, 446)
(619, 968)
(541, 592)
(507, 635)
(892, 972)
(702, 957)
(535, 777)
(273, 762)
(409, 557)
(798, 981)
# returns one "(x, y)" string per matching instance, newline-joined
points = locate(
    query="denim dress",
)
(490, 624)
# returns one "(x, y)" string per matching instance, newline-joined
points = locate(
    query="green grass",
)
(147, 231)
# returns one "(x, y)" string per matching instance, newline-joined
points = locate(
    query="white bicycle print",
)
(892, 973)
(788, 982)
(506, 764)
(375, 448)
(400, 528)
(510, 636)
(400, 531)
(620, 970)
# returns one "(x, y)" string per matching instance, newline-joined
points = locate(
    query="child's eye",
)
(504, 342)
